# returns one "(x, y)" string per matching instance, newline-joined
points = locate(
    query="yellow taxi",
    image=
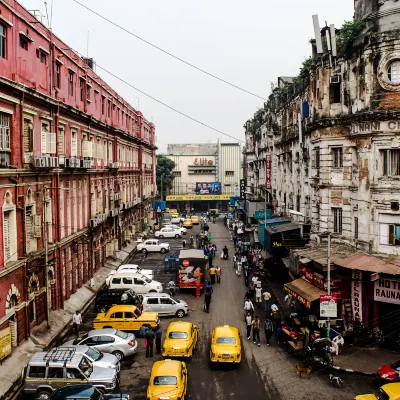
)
(195, 219)
(390, 391)
(180, 340)
(125, 318)
(168, 380)
(225, 345)
(173, 211)
(187, 223)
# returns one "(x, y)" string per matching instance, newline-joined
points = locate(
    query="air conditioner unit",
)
(335, 79)
(55, 162)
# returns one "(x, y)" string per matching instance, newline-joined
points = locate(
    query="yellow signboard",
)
(5, 343)
(195, 197)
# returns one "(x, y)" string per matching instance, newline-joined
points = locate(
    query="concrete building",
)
(204, 163)
(77, 171)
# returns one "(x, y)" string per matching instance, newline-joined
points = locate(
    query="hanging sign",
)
(268, 172)
(327, 306)
(387, 291)
(356, 295)
(5, 343)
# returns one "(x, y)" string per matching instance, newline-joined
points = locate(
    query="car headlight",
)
(384, 376)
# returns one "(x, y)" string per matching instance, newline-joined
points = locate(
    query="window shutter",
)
(93, 204)
(73, 144)
(28, 136)
(61, 143)
(94, 149)
(44, 140)
(51, 143)
(391, 234)
(37, 226)
(28, 230)
(6, 230)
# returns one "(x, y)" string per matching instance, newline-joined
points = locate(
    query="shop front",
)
(198, 202)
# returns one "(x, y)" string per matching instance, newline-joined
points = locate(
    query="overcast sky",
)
(249, 43)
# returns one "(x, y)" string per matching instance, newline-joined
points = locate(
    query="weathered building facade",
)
(77, 171)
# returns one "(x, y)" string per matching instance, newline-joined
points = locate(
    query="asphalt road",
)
(265, 373)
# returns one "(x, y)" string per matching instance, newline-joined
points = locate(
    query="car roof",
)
(39, 359)
(166, 367)
(79, 348)
(156, 295)
(122, 307)
(180, 326)
(128, 265)
(105, 331)
(74, 391)
(226, 330)
(392, 389)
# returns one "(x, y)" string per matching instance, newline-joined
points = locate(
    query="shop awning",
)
(303, 291)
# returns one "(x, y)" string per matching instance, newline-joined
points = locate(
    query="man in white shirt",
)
(254, 280)
(249, 322)
(267, 297)
(248, 307)
(76, 321)
(258, 295)
(337, 342)
(274, 308)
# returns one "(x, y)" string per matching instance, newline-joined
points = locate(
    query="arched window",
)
(394, 72)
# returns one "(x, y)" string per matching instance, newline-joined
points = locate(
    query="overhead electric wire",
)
(167, 52)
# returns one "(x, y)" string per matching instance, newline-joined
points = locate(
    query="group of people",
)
(152, 335)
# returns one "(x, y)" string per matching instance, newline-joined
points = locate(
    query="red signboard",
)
(185, 263)
(268, 172)
(306, 273)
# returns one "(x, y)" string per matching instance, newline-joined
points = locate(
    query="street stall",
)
(192, 268)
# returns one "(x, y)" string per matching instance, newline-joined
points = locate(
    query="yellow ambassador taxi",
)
(390, 391)
(168, 380)
(125, 318)
(195, 219)
(225, 345)
(180, 340)
(187, 223)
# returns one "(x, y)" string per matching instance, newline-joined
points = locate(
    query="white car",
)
(176, 220)
(168, 233)
(153, 245)
(148, 273)
(180, 229)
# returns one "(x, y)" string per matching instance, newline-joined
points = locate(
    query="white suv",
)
(164, 304)
(148, 273)
(168, 233)
(153, 245)
(180, 229)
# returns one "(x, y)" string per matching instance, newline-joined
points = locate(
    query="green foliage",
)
(164, 169)
(346, 35)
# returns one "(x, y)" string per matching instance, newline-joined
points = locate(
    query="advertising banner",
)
(327, 306)
(268, 172)
(356, 295)
(387, 291)
(242, 189)
(208, 187)
(198, 197)
(5, 343)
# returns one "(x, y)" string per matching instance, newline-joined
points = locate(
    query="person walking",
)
(268, 329)
(212, 272)
(76, 321)
(209, 288)
(171, 287)
(258, 294)
(252, 290)
(207, 301)
(267, 297)
(248, 307)
(218, 273)
(158, 339)
(246, 275)
(149, 336)
(256, 330)
(274, 312)
(249, 322)
(225, 219)
(210, 259)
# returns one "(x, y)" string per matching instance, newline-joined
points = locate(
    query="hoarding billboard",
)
(208, 187)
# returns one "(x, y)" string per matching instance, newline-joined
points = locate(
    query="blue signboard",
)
(260, 214)
(159, 204)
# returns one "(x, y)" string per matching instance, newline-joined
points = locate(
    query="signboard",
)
(242, 188)
(260, 214)
(301, 300)
(268, 172)
(306, 273)
(208, 187)
(5, 342)
(194, 197)
(356, 295)
(374, 126)
(185, 263)
(387, 291)
(328, 306)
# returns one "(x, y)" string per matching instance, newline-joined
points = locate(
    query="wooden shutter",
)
(6, 232)
(391, 234)
(85, 149)
(37, 226)
(73, 144)
(109, 250)
(61, 142)
(28, 136)
(51, 143)
(44, 138)
(28, 228)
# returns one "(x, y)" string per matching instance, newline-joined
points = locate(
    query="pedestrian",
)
(248, 295)
(149, 337)
(207, 301)
(234, 241)
(209, 288)
(225, 219)
(210, 259)
(258, 294)
(76, 321)
(274, 312)
(158, 339)
(246, 275)
(248, 307)
(256, 330)
(218, 273)
(249, 321)
(212, 272)
(183, 243)
(268, 329)
(171, 287)
(267, 297)
(252, 290)
(243, 260)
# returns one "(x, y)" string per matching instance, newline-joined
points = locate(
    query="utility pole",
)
(46, 260)
(161, 188)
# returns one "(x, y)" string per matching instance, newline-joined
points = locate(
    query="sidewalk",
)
(60, 322)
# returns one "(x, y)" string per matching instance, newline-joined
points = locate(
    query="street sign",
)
(242, 188)
(328, 306)
(185, 263)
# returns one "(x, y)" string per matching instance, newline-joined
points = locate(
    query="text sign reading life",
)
(374, 126)
(387, 291)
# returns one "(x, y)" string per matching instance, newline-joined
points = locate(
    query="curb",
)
(352, 371)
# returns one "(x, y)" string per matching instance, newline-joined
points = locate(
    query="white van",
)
(140, 284)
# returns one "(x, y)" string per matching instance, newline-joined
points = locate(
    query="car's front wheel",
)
(144, 251)
(163, 250)
(160, 236)
(119, 355)
(43, 394)
(177, 236)
(180, 313)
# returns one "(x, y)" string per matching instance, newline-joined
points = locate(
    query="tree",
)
(164, 169)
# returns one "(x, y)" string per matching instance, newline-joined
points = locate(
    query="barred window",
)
(337, 220)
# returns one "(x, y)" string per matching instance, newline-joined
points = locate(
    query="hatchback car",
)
(390, 391)
(120, 344)
(84, 392)
(164, 304)
(180, 229)
(195, 219)
(180, 340)
(390, 372)
(168, 233)
(168, 380)
(187, 223)
(225, 345)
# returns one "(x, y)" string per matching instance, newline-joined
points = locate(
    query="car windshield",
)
(176, 300)
(178, 335)
(147, 280)
(85, 367)
(396, 366)
(94, 354)
(122, 335)
(382, 395)
(79, 339)
(165, 380)
(226, 340)
(188, 220)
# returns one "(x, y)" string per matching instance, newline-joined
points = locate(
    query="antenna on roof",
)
(317, 32)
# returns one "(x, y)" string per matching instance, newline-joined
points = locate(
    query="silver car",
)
(164, 304)
(120, 344)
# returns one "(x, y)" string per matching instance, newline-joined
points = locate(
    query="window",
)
(394, 235)
(138, 281)
(103, 104)
(42, 57)
(74, 143)
(61, 142)
(5, 120)
(298, 203)
(28, 136)
(166, 301)
(393, 72)
(108, 108)
(70, 83)
(335, 93)
(391, 162)
(337, 220)
(55, 373)
(106, 339)
(130, 315)
(118, 314)
(177, 173)
(116, 280)
(317, 157)
(37, 372)
(81, 88)
(58, 75)
(88, 87)
(23, 43)
(229, 173)
(127, 281)
(151, 300)
(337, 157)
(2, 41)
(355, 227)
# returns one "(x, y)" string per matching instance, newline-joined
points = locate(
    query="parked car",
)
(109, 340)
(47, 372)
(130, 267)
(152, 245)
(195, 219)
(97, 358)
(105, 298)
(225, 345)
(138, 283)
(168, 233)
(168, 377)
(180, 339)
(390, 372)
(176, 219)
(181, 229)
(84, 392)
(126, 318)
(187, 223)
(390, 391)
(164, 304)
